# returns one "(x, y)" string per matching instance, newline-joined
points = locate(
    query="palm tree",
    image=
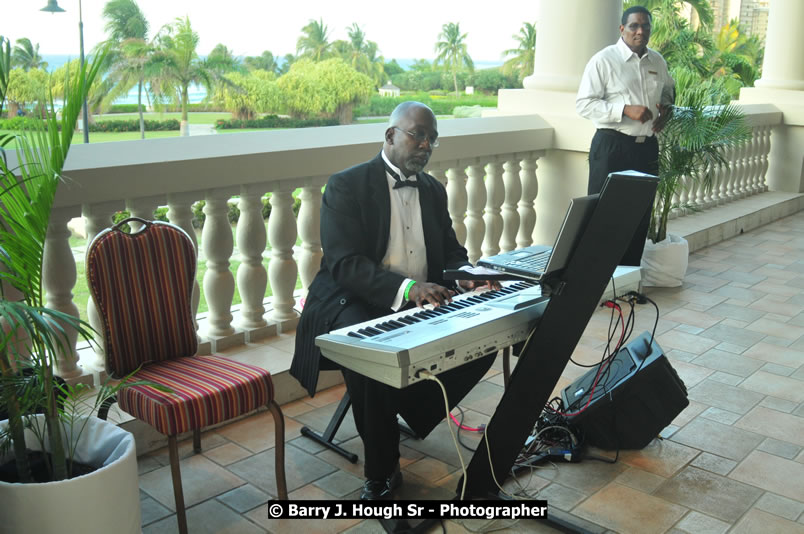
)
(178, 65)
(127, 26)
(523, 56)
(451, 49)
(26, 55)
(314, 42)
(222, 60)
(265, 61)
(362, 54)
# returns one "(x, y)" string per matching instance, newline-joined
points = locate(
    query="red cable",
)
(481, 428)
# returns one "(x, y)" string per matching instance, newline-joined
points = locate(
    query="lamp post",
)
(53, 7)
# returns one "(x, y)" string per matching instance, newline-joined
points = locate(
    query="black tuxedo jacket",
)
(355, 226)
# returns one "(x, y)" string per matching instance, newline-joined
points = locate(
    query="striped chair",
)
(142, 284)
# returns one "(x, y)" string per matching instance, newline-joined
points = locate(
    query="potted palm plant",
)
(44, 489)
(692, 147)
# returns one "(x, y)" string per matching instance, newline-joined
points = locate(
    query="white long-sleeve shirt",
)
(615, 77)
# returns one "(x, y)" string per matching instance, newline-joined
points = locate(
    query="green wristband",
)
(407, 289)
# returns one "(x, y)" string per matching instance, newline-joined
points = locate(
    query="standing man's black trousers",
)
(375, 405)
(612, 151)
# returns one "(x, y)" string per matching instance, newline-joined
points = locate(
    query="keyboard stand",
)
(327, 438)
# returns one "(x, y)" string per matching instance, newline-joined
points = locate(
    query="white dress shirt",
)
(615, 77)
(406, 248)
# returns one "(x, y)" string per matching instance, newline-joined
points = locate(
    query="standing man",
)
(627, 92)
(387, 237)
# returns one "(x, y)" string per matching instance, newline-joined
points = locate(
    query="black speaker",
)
(635, 397)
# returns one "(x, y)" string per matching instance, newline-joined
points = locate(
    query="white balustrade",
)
(282, 269)
(457, 200)
(491, 182)
(476, 201)
(495, 195)
(513, 192)
(252, 278)
(218, 245)
(180, 213)
(309, 228)
(58, 281)
(525, 207)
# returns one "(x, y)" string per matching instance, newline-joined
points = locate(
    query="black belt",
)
(632, 138)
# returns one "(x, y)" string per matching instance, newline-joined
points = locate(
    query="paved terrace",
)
(733, 461)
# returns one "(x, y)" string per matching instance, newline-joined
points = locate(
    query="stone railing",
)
(489, 167)
(745, 173)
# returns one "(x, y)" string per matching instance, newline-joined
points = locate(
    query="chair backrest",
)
(142, 285)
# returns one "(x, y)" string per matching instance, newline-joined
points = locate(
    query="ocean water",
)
(197, 93)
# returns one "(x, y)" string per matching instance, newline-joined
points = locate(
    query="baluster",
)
(525, 207)
(757, 160)
(58, 280)
(309, 227)
(679, 199)
(143, 208)
(282, 269)
(439, 174)
(741, 170)
(475, 227)
(252, 279)
(751, 161)
(180, 213)
(457, 200)
(495, 193)
(97, 217)
(731, 175)
(513, 192)
(217, 243)
(763, 157)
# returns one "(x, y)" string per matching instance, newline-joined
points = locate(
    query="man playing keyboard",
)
(387, 237)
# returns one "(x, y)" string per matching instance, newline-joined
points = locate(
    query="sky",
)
(248, 27)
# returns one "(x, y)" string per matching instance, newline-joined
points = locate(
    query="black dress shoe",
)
(382, 489)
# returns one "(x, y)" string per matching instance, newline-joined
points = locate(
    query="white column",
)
(475, 227)
(559, 64)
(782, 66)
(513, 194)
(457, 200)
(282, 270)
(252, 279)
(180, 213)
(495, 195)
(58, 280)
(97, 217)
(216, 239)
(525, 208)
(309, 228)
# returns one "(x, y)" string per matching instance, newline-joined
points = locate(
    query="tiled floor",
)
(733, 461)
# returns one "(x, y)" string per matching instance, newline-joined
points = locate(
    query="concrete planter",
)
(106, 500)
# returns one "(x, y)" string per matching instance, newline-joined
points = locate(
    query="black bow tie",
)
(399, 182)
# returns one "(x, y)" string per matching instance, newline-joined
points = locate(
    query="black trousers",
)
(612, 151)
(375, 405)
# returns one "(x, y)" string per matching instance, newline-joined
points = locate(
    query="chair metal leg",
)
(279, 450)
(178, 494)
(197, 440)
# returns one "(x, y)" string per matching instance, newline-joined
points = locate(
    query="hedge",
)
(125, 108)
(133, 125)
(382, 106)
(273, 121)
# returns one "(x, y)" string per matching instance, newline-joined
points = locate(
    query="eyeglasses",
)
(635, 26)
(420, 138)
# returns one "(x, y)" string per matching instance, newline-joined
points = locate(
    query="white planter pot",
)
(106, 500)
(664, 264)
